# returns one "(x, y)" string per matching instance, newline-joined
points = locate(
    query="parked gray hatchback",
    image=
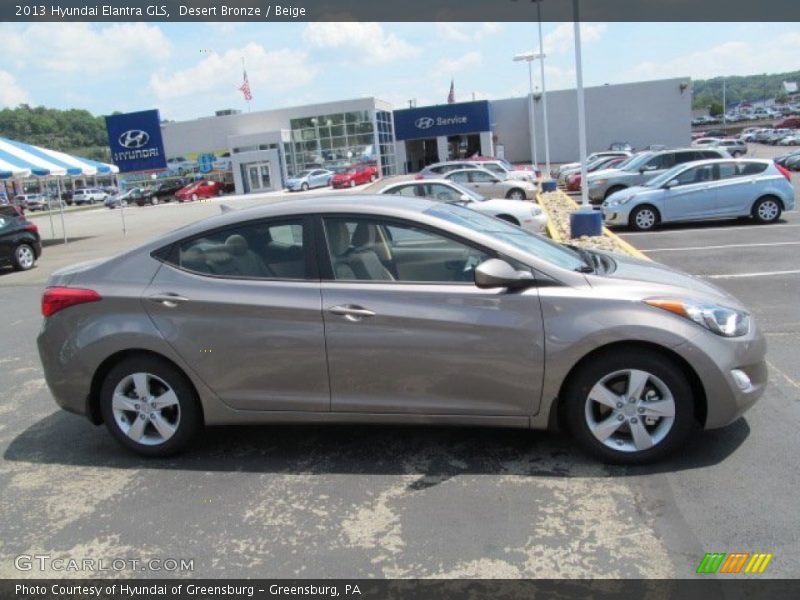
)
(394, 310)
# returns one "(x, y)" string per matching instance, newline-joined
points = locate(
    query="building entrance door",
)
(421, 153)
(259, 176)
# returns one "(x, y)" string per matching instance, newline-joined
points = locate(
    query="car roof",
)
(711, 161)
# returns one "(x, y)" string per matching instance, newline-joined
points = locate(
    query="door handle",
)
(168, 300)
(351, 312)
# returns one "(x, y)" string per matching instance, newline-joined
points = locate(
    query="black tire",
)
(577, 392)
(153, 200)
(767, 210)
(613, 190)
(304, 187)
(644, 218)
(23, 258)
(509, 219)
(516, 194)
(190, 420)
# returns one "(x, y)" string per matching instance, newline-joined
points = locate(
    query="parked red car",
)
(200, 189)
(355, 176)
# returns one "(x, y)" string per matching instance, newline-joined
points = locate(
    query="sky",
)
(189, 70)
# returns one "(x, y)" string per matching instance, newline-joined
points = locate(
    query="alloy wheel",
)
(24, 256)
(630, 410)
(645, 219)
(768, 210)
(146, 409)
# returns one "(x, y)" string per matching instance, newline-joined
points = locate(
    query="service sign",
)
(445, 119)
(135, 141)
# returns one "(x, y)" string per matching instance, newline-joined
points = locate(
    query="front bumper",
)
(615, 215)
(714, 358)
(535, 223)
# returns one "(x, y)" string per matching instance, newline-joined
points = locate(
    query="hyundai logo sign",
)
(134, 138)
(424, 123)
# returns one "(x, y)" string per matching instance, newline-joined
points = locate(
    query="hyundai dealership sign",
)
(446, 119)
(135, 141)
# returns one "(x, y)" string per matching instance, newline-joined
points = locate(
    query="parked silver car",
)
(643, 167)
(555, 172)
(490, 185)
(734, 147)
(394, 310)
(713, 189)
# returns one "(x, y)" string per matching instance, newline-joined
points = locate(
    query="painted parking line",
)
(759, 274)
(692, 248)
(695, 231)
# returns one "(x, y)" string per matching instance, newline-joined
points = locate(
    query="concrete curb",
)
(552, 231)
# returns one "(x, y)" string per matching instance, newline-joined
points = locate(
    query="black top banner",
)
(402, 10)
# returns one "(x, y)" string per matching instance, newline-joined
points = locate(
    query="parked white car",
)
(705, 141)
(488, 184)
(527, 215)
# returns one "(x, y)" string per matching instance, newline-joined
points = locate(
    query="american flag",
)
(245, 88)
(451, 97)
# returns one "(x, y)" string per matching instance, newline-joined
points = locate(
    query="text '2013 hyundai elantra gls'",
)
(394, 310)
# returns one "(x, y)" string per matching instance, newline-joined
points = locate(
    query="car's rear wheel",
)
(149, 406)
(24, 257)
(629, 407)
(352, 183)
(153, 200)
(371, 178)
(644, 218)
(515, 194)
(194, 197)
(767, 210)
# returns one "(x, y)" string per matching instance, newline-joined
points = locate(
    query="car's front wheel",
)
(644, 218)
(629, 407)
(24, 257)
(304, 187)
(149, 406)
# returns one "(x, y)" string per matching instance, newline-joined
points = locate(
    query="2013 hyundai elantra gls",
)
(384, 309)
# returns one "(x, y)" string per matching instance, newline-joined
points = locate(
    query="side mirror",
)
(465, 198)
(671, 184)
(496, 273)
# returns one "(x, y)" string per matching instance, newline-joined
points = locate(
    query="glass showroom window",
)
(386, 140)
(332, 140)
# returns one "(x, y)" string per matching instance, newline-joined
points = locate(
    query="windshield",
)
(521, 239)
(665, 177)
(637, 162)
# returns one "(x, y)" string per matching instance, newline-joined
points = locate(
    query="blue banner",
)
(445, 119)
(135, 141)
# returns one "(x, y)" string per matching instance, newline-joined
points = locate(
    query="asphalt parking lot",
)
(351, 501)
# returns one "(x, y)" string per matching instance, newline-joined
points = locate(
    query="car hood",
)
(655, 279)
(630, 191)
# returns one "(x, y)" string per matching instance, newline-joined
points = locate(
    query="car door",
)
(242, 307)
(486, 184)
(316, 178)
(693, 196)
(407, 330)
(737, 187)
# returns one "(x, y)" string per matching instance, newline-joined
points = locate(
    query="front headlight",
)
(536, 210)
(625, 200)
(722, 320)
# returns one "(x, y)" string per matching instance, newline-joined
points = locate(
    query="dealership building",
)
(262, 149)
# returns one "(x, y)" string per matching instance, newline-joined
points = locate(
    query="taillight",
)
(32, 228)
(59, 298)
(785, 172)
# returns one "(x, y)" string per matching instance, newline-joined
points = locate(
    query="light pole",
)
(544, 89)
(529, 57)
(581, 109)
